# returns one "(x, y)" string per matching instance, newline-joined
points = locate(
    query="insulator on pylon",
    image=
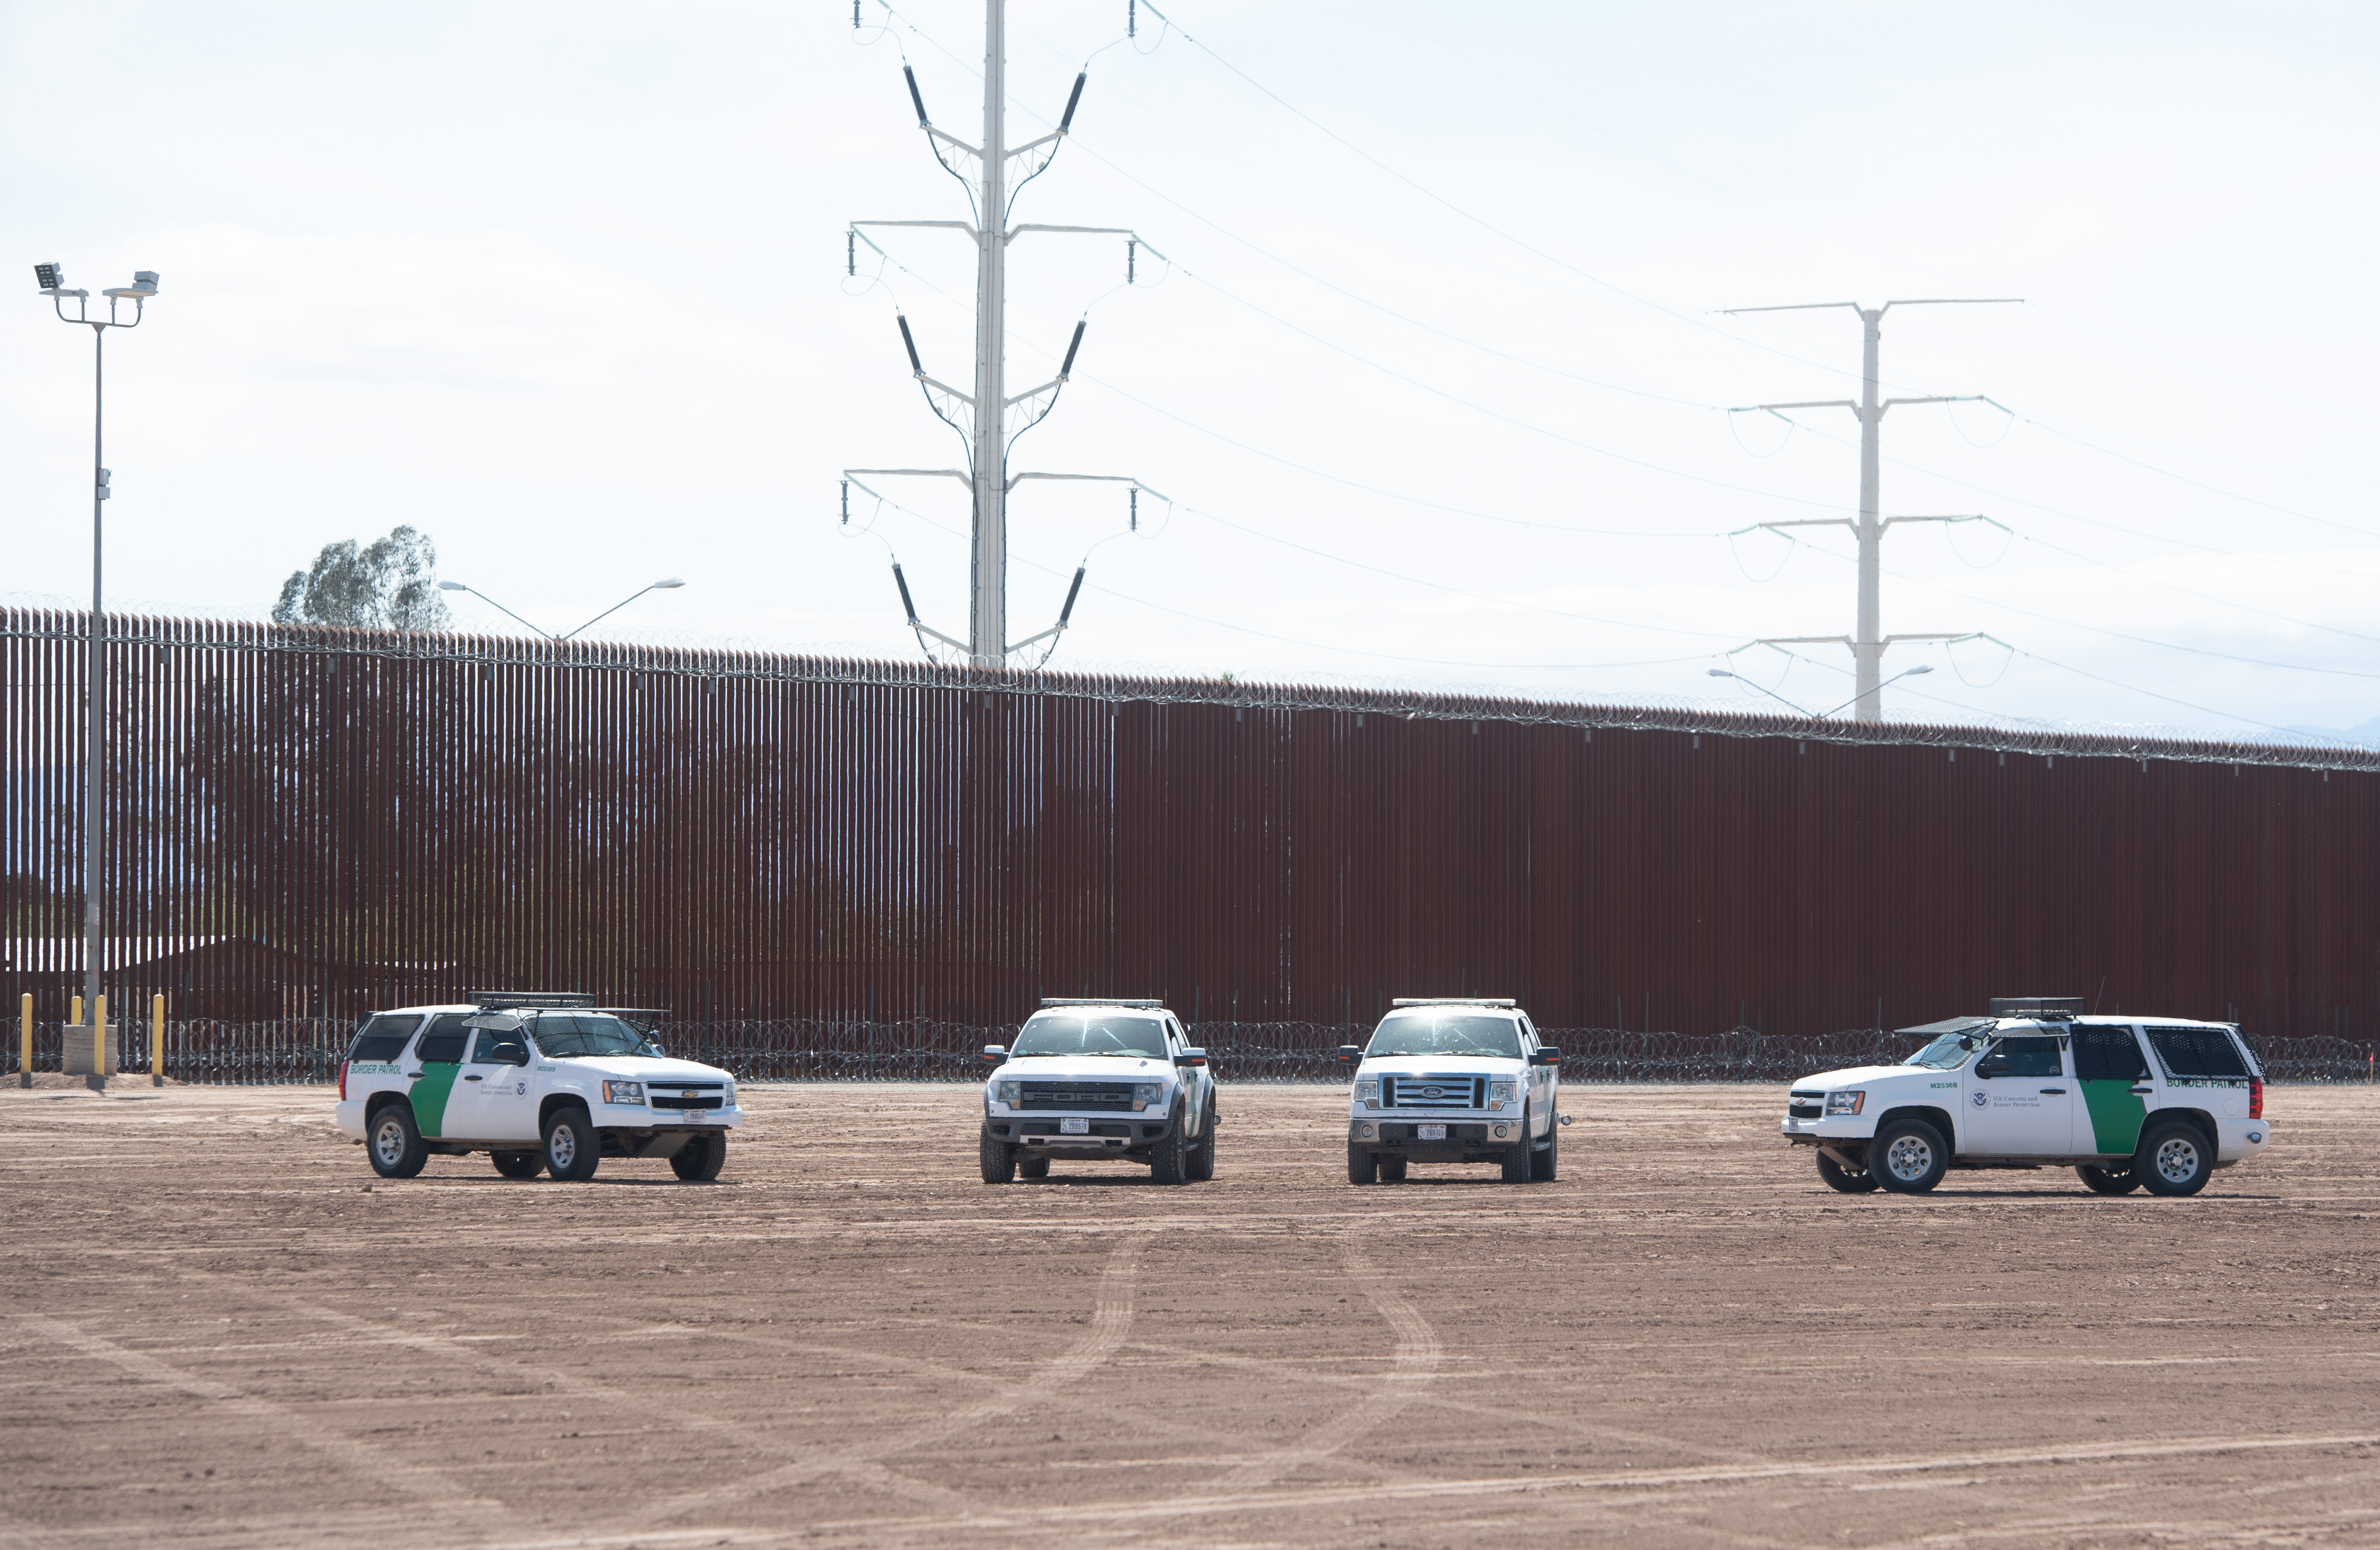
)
(846, 503)
(1068, 368)
(1131, 245)
(915, 365)
(851, 254)
(1068, 611)
(914, 96)
(1136, 507)
(1132, 19)
(1066, 120)
(854, 15)
(902, 582)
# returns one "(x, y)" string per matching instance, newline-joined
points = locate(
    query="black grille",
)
(1806, 1110)
(672, 1101)
(1114, 1096)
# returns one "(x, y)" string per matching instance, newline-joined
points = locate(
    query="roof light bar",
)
(1454, 1001)
(1098, 1001)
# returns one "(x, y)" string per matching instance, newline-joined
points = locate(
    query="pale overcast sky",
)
(1434, 374)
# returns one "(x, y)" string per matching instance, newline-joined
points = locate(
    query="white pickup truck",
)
(2127, 1102)
(1092, 1081)
(1455, 1080)
(541, 1083)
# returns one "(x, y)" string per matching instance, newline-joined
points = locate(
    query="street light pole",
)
(51, 279)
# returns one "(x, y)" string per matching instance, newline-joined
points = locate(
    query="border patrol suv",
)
(2125, 1102)
(539, 1083)
(1099, 1079)
(1457, 1080)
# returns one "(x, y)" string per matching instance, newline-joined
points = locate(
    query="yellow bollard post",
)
(99, 1043)
(25, 1037)
(76, 1019)
(157, 1041)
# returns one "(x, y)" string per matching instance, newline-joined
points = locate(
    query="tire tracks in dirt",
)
(1374, 1494)
(1112, 1317)
(431, 1485)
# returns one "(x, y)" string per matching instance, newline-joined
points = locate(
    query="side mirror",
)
(1546, 1056)
(1191, 1057)
(1351, 1053)
(1992, 1066)
(510, 1054)
(995, 1053)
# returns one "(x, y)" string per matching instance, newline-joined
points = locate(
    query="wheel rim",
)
(388, 1143)
(2177, 1160)
(1908, 1158)
(561, 1146)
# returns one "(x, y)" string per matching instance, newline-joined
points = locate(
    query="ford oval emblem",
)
(1432, 1093)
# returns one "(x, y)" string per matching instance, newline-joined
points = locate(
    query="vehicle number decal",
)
(1430, 1132)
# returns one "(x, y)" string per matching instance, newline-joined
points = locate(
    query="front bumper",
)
(1848, 1129)
(1465, 1138)
(1102, 1135)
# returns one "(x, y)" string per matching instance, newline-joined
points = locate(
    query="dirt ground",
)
(220, 1330)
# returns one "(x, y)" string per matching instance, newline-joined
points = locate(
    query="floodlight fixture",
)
(50, 277)
(143, 285)
(453, 587)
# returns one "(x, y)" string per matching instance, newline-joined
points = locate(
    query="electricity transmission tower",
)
(983, 417)
(1868, 645)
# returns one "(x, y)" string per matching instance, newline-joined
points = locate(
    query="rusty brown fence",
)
(815, 862)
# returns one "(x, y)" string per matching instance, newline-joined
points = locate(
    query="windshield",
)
(1948, 1053)
(577, 1034)
(1136, 1038)
(1426, 1034)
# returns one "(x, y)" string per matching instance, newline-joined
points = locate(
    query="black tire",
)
(1545, 1165)
(570, 1145)
(2174, 1159)
(518, 1165)
(1516, 1158)
(1202, 1150)
(394, 1142)
(1033, 1167)
(1168, 1160)
(1850, 1182)
(1363, 1165)
(998, 1160)
(2107, 1181)
(1392, 1168)
(699, 1160)
(1908, 1157)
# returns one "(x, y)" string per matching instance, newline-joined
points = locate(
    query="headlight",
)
(1004, 1091)
(1367, 1092)
(1499, 1095)
(1845, 1102)
(624, 1093)
(1148, 1094)
(728, 1097)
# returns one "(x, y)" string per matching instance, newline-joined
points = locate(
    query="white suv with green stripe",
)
(2127, 1103)
(541, 1083)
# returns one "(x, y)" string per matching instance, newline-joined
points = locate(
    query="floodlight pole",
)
(145, 284)
(1867, 642)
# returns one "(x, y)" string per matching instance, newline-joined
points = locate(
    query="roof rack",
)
(518, 1000)
(2061, 1006)
(1454, 1001)
(1098, 1001)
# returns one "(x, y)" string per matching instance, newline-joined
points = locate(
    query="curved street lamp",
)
(667, 584)
(52, 278)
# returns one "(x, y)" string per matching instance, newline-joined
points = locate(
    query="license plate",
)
(1073, 1126)
(1430, 1132)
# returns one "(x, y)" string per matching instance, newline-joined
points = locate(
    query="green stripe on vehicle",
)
(2115, 1114)
(429, 1097)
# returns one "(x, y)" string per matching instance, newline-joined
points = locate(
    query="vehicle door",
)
(2017, 1100)
(430, 1077)
(495, 1100)
(1542, 1079)
(2113, 1074)
(1196, 1080)
(2197, 1069)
